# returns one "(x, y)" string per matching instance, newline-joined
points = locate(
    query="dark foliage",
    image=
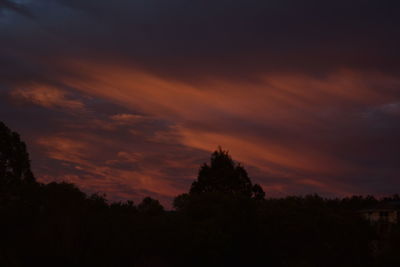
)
(15, 171)
(225, 176)
(223, 221)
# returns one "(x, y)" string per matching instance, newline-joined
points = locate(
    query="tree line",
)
(223, 220)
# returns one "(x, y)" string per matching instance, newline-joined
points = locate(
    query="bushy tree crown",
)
(224, 175)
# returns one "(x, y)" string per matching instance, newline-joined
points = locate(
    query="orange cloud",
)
(48, 97)
(100, 175)
(280, 124)
(127, 118)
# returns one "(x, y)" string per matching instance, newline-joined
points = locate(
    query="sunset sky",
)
(128, 98)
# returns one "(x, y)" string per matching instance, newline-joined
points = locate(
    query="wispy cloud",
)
(48, 97)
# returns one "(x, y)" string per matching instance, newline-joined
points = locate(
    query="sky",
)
(129, 98)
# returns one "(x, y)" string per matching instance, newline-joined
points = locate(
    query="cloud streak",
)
(18, 8)
(48, 97)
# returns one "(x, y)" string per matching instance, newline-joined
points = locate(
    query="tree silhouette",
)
(14, 159)
(16, 178)
(223, 175)
(150, 206)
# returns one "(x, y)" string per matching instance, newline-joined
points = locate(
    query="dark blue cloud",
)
(15, 7)
(234, 38)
